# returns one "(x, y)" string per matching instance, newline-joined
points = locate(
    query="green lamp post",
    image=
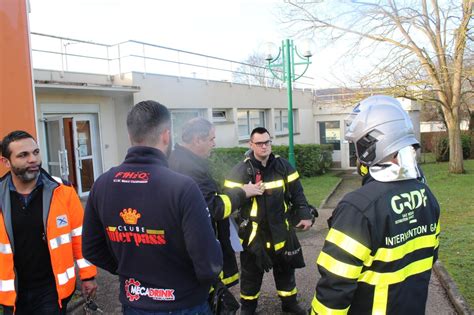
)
(282, 67)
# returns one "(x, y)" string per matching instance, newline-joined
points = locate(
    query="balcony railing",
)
(68, 54)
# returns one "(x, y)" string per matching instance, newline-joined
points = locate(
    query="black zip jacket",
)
(379, 252)
(220, 206)
(151, 226)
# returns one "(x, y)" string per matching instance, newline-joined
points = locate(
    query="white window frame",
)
(249, 128)
(278, 116)
(222, 115)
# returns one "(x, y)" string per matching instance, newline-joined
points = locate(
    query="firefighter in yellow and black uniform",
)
(383, 237)
(264, 228)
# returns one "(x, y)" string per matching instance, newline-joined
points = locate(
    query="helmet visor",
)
(348, 122)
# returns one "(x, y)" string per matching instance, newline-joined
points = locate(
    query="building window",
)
(281, 121)
(179, 118)
(248, 120)
(330, 133)
(219, 115)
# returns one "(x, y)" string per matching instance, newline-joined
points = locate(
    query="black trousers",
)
(251, 281)
(42, 301)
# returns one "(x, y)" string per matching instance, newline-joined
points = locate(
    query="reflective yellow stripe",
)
(230, 184)
(348, 244)
(293, 177)
(155, 232)
(268, 245)
(279, 246)
(375, 278)
(318, 308)
(254, 232)
(253, 211)
(337, 267)
(392, 254)
(274, 184)
(287, 293)
(379, 306)
(250, 297)
(227, 205)
(231, 279)
(241, 241)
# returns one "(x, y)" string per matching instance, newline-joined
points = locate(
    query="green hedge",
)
(442, 148)
(311, 159)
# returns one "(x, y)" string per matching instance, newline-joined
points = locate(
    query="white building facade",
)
(82, 115)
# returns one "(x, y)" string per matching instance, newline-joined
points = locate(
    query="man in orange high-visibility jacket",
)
(40, 234)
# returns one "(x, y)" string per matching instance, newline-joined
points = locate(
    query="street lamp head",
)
(307, 48)
(270, 51)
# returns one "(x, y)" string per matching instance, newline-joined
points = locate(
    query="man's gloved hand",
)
(262, 260)
(314, 213)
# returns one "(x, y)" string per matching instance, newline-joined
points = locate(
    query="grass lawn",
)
(455, 193)
(318, 188)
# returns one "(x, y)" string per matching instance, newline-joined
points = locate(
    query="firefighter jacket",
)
(62, 218)
(150, 225)
(378, 254)
(220, 205)
(266, 216)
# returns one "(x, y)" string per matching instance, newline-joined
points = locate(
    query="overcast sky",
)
(230, 29)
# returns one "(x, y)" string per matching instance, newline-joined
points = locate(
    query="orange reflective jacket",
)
(62, 216)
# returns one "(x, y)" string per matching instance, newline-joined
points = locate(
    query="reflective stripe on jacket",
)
(62, 217)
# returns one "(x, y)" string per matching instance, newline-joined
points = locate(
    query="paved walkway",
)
(312, 242)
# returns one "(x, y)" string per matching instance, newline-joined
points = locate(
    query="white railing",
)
(68, 54)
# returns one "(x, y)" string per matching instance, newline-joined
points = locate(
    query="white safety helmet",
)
(379, 127)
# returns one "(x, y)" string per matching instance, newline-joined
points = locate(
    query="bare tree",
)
(412, 46)
(254, 71)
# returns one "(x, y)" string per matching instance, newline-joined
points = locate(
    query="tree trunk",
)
(456, 163)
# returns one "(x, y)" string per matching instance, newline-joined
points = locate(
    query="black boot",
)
(248, 307)
(291, 305)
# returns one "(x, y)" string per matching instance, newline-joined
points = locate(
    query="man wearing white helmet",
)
(383, 237)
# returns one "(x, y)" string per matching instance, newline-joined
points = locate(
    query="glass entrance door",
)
(86, 151)
(57, 155)
(73, 150)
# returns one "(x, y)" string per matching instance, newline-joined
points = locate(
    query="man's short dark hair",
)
(259, 130)
(11, 137)
(196, 127)
(146, 121)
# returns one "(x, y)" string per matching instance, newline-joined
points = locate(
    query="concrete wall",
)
(184, 93)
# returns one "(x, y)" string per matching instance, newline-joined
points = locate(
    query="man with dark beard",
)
(40, 234)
